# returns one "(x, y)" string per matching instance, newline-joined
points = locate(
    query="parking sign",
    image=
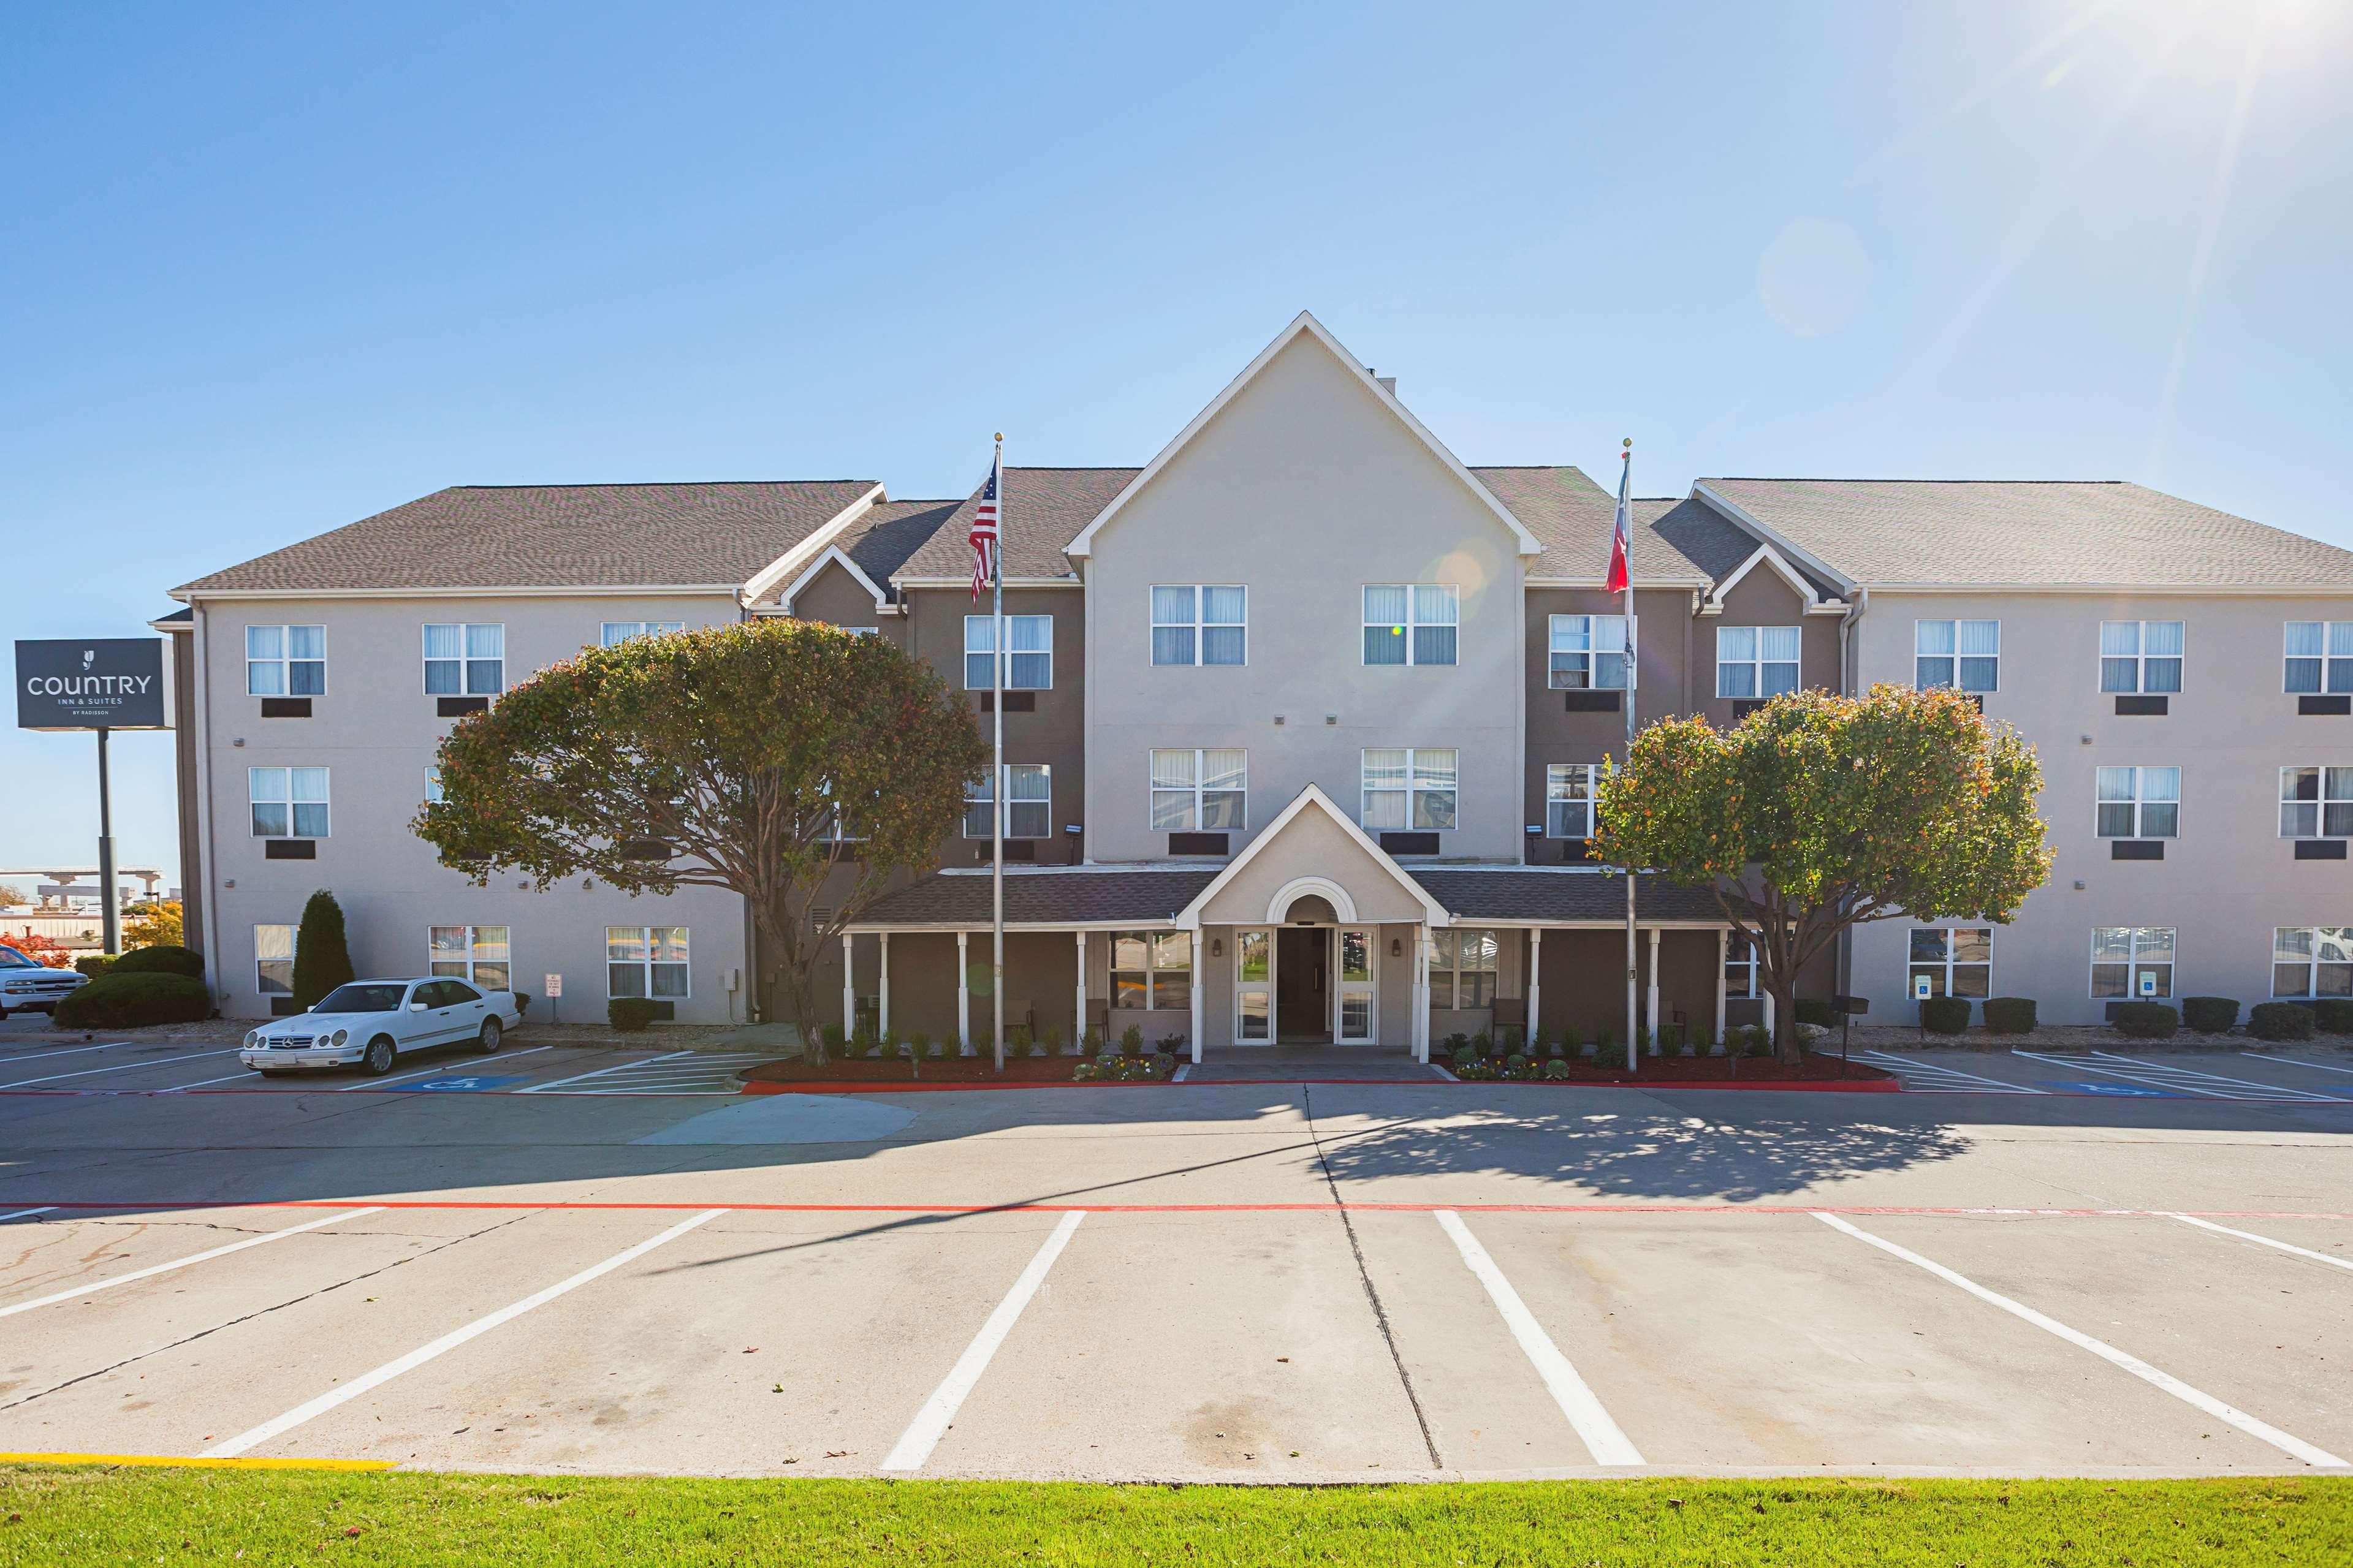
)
(555, 986)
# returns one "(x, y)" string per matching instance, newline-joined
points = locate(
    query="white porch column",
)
(1200, 982)
(1421, 993)
(1654, 991)
(964, 994)
(1769, 1015)
(1079, 1030)
(1536, 986)
(849, 987)
(883, 1022)
(1723, 953)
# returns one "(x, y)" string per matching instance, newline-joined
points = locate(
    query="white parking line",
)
(2180, 1081)
(2295, 1447)
(2266, 1241)
(71, 1051)
(1600, 1434)
(931, 1423)
(202, 1081)
(601, 1072)
(153, 1269)
(447, 1342)
(1948, 1080)
(427, 1072)
(2273, 1088)
(22, 1213)
(2296, 1062)
(126, 1067)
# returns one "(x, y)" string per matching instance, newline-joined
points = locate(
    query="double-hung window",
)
(2316, 803)
(433, 795)
(1463, 968)
(1955, 960)
(1963, 653)
(2131, 961)
(478, 953)
(647, 960)
(1739, 966)
(1152, 970)
(2139, 803)
(1756, 661)
(1200, 624)
(2140, 656)
(1029, 653)
(286, 661)
(273, 960)
(2312, 960)
(465, 660)
(1588, 653)
(1409, 789)
(613, 633)
(1410, 623)
(1199, 791)
(1568, 800)
(288, 803)
(2319, 657)
(1029, 804)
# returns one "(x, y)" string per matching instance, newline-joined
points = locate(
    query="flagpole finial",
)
(1000, 435)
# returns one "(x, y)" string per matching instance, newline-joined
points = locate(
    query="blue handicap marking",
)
(460, 1085)
(2128, 1090)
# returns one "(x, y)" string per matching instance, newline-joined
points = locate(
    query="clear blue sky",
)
(267, 268)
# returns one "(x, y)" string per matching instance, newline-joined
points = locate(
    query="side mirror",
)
(416, 1007)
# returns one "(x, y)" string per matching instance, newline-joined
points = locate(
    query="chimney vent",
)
(1389, 383)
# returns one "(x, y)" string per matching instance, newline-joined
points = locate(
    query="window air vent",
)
(1592, 701)
(290, 849)
(2320, 849)
(2140, 707)
(2136, 849)
(286, 707)
(458, 706)
(1410, 843)
(1197, 844)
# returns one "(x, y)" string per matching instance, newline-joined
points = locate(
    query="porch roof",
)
(1540, 896)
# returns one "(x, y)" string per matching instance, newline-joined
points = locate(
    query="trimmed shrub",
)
(169, 959)
(1483, 1043)
(2265, 1020)
(2333, 1015)
(93, 965)
(2146, 1020)
(2009, 1014)
(1815, 1010)
(123, 1000)
(1091, 1044)
(918, 1044)
(1516, 1063)
(1082, 1071)
(1760, 1041)
(1945, 1015)
(1053, 1040)
(1131, 1041)
(2209, 1014)
(1557, 1067)
(635, 1015)
(322, 957)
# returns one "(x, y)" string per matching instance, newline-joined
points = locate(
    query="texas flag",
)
(1621, 537)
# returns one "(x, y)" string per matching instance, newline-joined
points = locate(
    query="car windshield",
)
(11, 959)
(362, 999)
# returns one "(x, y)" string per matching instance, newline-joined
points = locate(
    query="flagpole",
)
(1634, 959)
(997, 764)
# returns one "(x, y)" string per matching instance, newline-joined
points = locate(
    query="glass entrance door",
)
(1358, 1002)
(1253, 987)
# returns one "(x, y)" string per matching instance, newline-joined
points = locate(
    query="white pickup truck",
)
(27, 986)
(368, 1022)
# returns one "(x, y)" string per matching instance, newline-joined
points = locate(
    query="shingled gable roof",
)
(1043, 510)
(1305, 324)
(2022, 536)
(707, 536)
(873, 548)
(1676, 544)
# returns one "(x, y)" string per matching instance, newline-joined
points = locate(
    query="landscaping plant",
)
(322, 955)
(2265, 1020)
(2150, 1020)
(2209, 1014)
(2009, 1014)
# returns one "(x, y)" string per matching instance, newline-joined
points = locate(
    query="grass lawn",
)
(76, 1515)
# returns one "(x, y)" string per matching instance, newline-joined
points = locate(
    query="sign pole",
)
(112, 916)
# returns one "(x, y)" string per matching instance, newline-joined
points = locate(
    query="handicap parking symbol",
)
(2127, 1090)
(460, 1085)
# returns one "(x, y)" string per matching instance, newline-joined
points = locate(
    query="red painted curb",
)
(1826, 1085)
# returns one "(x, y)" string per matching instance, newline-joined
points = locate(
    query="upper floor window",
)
(1029, 805)
(1568, 800)
(647, 960)
(2140, 656)
(1408, 790)
(286, 661)
(1956, 962)
(478, 953)
(617, 632)
(1029, 653)
(1756, 661)
(465, 661)
(1199, 791)
(2139, 803)
(2319, 656)
(1589, 652)
(1200, 625)
(1963, 653)
(288, 803)
(2312, 960)
(1410, 623)
(2132, 960)
(2316, 803)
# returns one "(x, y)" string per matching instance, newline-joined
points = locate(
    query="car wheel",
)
(378, 1060)
(487, 1041)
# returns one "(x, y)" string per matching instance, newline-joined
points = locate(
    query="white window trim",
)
(1756, 665)
(1412, 625)
(433, 792)
(286, 660)
(2324, 658)
(1005, 780)
(647, 963)
(2320, 803)
(1152, 789)
(1047, 653)
(1198, 624)
(1151, 969)
(2133, 964)
(2139, 801)
(2311, 992)
(288, 802)
(1448, 977)
(1592, 654)
(2140, 660)
(1950, 961)
(1592, 780)
(1749, 966)
(632, 630)
(1956, 622)
(293, 934)
(465, 629)
(1409, 789)
(469, 961)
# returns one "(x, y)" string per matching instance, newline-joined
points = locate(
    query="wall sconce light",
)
(1216, 947)
(1397, 948)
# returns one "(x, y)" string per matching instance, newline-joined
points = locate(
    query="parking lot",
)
(571, 1260)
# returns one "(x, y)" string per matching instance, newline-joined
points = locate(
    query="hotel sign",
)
(92, 683)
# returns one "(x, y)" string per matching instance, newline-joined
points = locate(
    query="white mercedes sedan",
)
(370, 1022)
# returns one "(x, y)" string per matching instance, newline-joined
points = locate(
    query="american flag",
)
(984, 531)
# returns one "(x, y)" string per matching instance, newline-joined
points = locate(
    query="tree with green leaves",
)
(323, 955)
(1819, 812)
(768, 759)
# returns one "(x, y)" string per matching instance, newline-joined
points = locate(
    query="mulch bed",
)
(945, 1069)
(1715, 1071)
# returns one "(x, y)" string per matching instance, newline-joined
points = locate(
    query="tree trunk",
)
(795, 977)
(1787, 1049)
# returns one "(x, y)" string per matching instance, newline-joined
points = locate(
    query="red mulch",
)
(1654, 1070)
(947, 1069)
